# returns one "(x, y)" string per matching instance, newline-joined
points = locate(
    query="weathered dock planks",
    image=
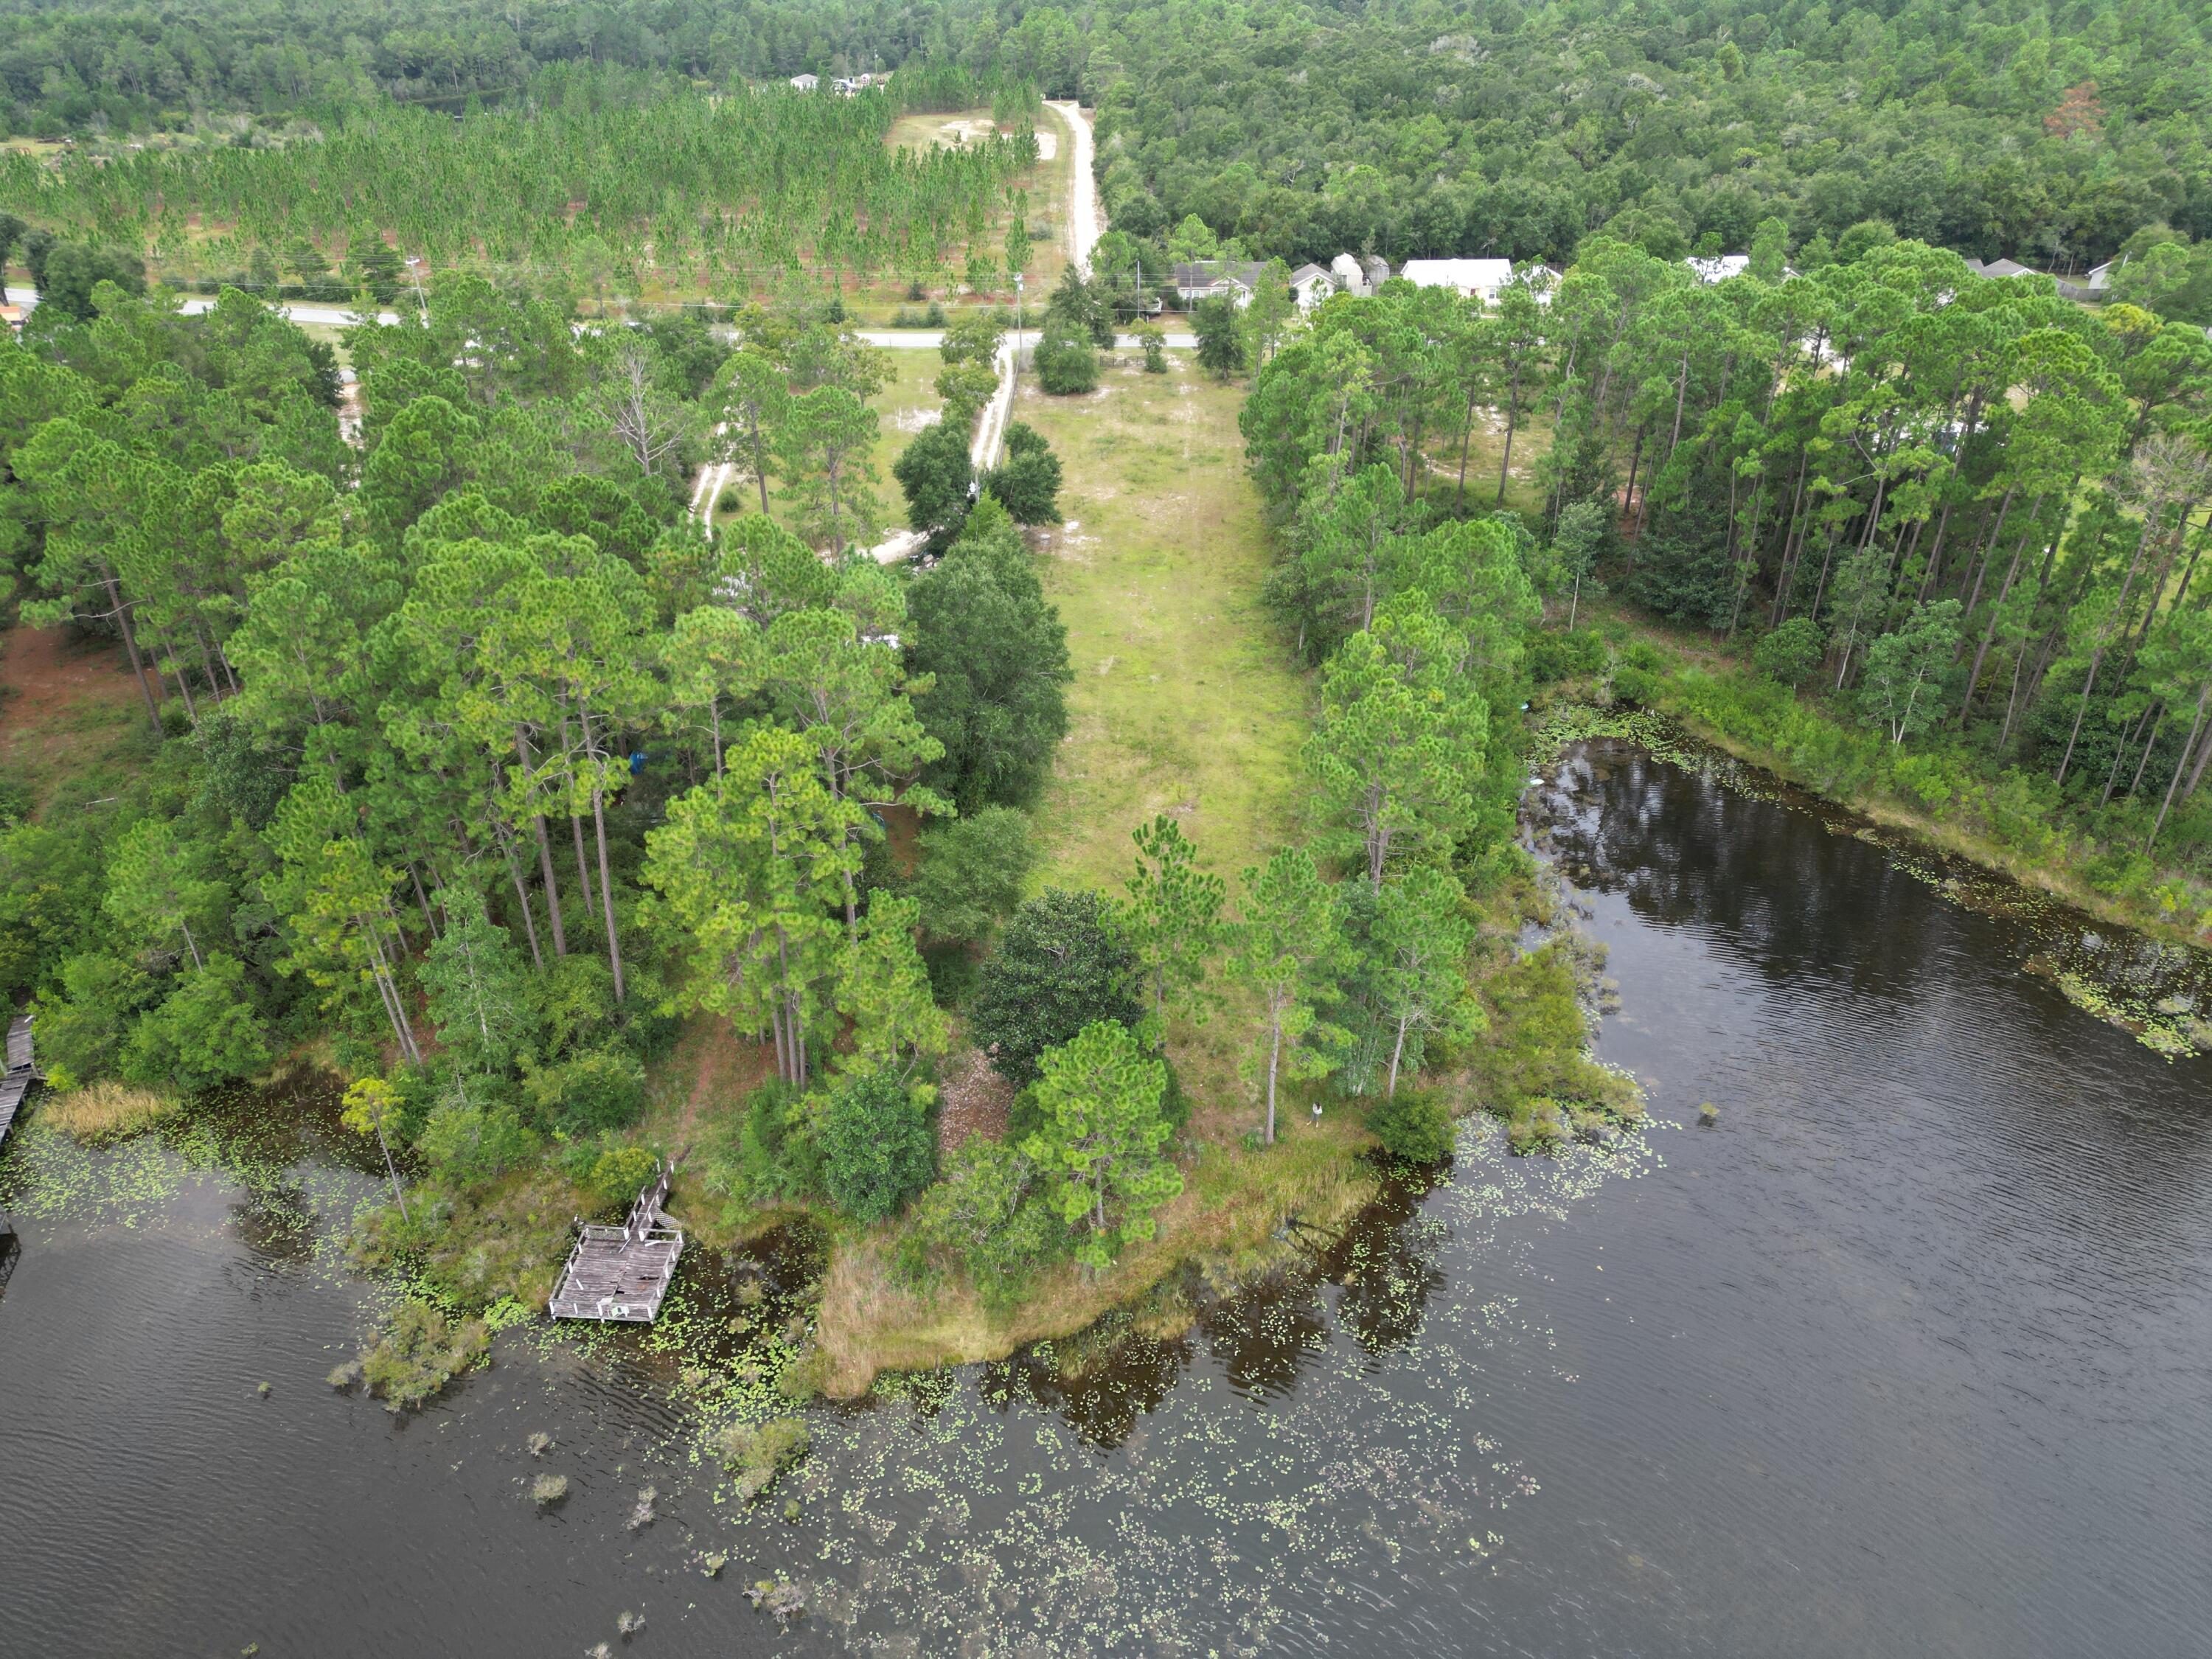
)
(623, 1272)
(21, 1074)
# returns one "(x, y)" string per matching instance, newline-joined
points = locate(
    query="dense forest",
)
(466, 737)
(2046, 131)
(2061, 134)
(131, 66)
(1968, 514)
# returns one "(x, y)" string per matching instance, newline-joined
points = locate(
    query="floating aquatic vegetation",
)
(2171, 1026)
(538, 1444)
(628, 1624)
(778, 1596)
(547, 1490)
(641, 1514)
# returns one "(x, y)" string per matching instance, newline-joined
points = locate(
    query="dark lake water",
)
(1909, 1352)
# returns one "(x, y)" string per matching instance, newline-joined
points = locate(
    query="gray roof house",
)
(1310, 284)
(1209, 279)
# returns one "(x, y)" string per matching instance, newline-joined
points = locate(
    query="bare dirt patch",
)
(42, 674)
(972, 1100)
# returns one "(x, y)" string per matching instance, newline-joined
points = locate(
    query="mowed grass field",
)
(1185, 700)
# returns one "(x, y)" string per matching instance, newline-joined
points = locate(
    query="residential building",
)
(1310, 284)
(1479, 279)
(1210, 279)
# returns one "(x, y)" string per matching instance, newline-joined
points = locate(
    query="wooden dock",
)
(22, 1073)
(623, 1272)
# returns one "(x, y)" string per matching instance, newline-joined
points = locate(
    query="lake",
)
(1910, 1351)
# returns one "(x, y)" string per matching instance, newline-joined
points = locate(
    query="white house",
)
(805, 82)
(1311, 285)
(1718, 268)
(1350, 278)
(1479, 279)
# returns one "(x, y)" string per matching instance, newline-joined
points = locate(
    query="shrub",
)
(1028, 484)
(757, 1452)
(596, 1090)
(768, 1151)
(973, 868)
(1066, 362)
(982, 1218)
(419, 1352)
(878, 1146)
(203, 1033)
(1558, 656)
(1413, 1124)
(619, 1174)
(1059, 966)
(469, 1144)
(1791, 652)
(1927, 779)
(1544, 1129)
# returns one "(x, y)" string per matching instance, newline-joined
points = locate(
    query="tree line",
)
(1969, 513)
(588, 177)
(115, 63)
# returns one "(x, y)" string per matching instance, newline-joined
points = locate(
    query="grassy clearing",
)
(1185, 701)
(70, 716)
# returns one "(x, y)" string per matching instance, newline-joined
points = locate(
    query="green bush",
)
(771, 1152)
(878, 1146)
(619, 1175)
(1066, 362)
(591, 1093)
(1559, 656)
(1413, 1124)
(972, 869)
(757, 1453)
(419, 1352)
(1060, 966)
(982, 1218)
(1931, 780)
(468, 1144)
(1791, 652)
